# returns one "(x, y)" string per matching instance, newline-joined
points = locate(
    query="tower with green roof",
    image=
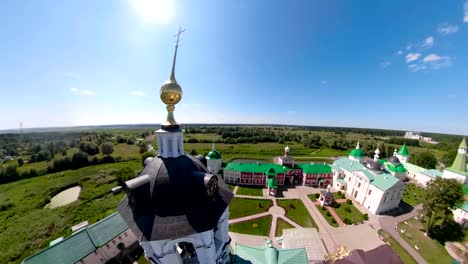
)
(459, 169)
(357, 154)
(214, 160)
(403, 154)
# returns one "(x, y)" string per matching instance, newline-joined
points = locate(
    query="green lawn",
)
(355, 215)
(240, 207)
(331, 221)
(259, 226)
(252, 191)
(397, 248)
(231, 187)
(337, 196)
(431, 250)
(280, 225)
(297, 212)
(26, 227)
(329, 152)
(312, 197)
(413, 194)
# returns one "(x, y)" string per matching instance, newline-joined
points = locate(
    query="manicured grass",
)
(331, 221)
(312, 197)
(413, 194)
(397, 248)
(252, 191)
(431, 250)
(329, 152)
(231, 187)
(240, 207)
(258, 226)
(297, 212)
(355, 215)
(337, 195)
(280, 225)
(26, 227)
(125, 152)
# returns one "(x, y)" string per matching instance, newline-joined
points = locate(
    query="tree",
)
(425, 159)
(107, 148)
(20, 162)
(449, 157)
(440, 197)
(143, 147)
(80, 159)
(125, 174)
(144, 156)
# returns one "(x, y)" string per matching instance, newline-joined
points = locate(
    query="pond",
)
(64, 197)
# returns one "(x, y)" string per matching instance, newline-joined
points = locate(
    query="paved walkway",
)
(388, 223)
(336, 216)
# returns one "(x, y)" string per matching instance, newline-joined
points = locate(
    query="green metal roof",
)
(70, 250)
(459, 164)
(342, 181)
(269, 255)
(336, 168)
(432, 173)
(397, 169)
(82, 243)
(465, 189)
(357, 153)
(384, 181)
(106, 229)
(403, 151)
(315, 168)
(213, 155)
(368, 174)
(253, 167)
(463, 144)
(413, 168)
(272, 183)
(321, 180)
(347, 164)
(464, 207)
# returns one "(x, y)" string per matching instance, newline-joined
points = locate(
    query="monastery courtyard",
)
(357, 236)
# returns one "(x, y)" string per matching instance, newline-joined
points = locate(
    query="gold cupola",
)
(171, 92)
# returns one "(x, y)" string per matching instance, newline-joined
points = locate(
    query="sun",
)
(153, 11)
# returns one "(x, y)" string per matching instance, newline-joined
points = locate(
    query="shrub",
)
(348, 201)
(333, 221)
(328, 214)
(317, 195)
(365, 216)
(347, 221)
(347, 209)
(323, 208)
(6, 205)
(336, 205)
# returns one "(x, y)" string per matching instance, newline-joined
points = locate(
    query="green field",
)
(397, 248)
(331, 221)
(297, 212)
(258, 226)
(280, 225)
(26, 227)
(431, 250)
(354, 215)
(240, 207)
(252, 191)
(412, 194)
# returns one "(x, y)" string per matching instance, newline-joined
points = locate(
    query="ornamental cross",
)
(178, 35)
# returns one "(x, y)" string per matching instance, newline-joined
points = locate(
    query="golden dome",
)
(171, 92)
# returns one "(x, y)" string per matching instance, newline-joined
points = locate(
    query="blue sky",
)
(379, 64)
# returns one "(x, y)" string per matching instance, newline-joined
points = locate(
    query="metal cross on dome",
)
(178, 35)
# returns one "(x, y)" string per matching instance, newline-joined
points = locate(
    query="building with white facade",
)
(420, 175)
(460, 215)
(369, 182)
(418, 136)
(459, 168)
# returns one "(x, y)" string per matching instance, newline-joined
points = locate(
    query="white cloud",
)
(416, 67)
(87, 92)
(428, 42)
(436, 62)
(409, 46)
(138, 93)
(465, 12)
(399, 52)
(446, 29)
(412, 57)
(74, 89)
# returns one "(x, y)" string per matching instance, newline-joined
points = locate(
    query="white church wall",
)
(452, 175)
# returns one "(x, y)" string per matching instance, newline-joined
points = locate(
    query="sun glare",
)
(153, 11)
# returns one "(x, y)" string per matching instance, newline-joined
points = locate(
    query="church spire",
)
(171, 92)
